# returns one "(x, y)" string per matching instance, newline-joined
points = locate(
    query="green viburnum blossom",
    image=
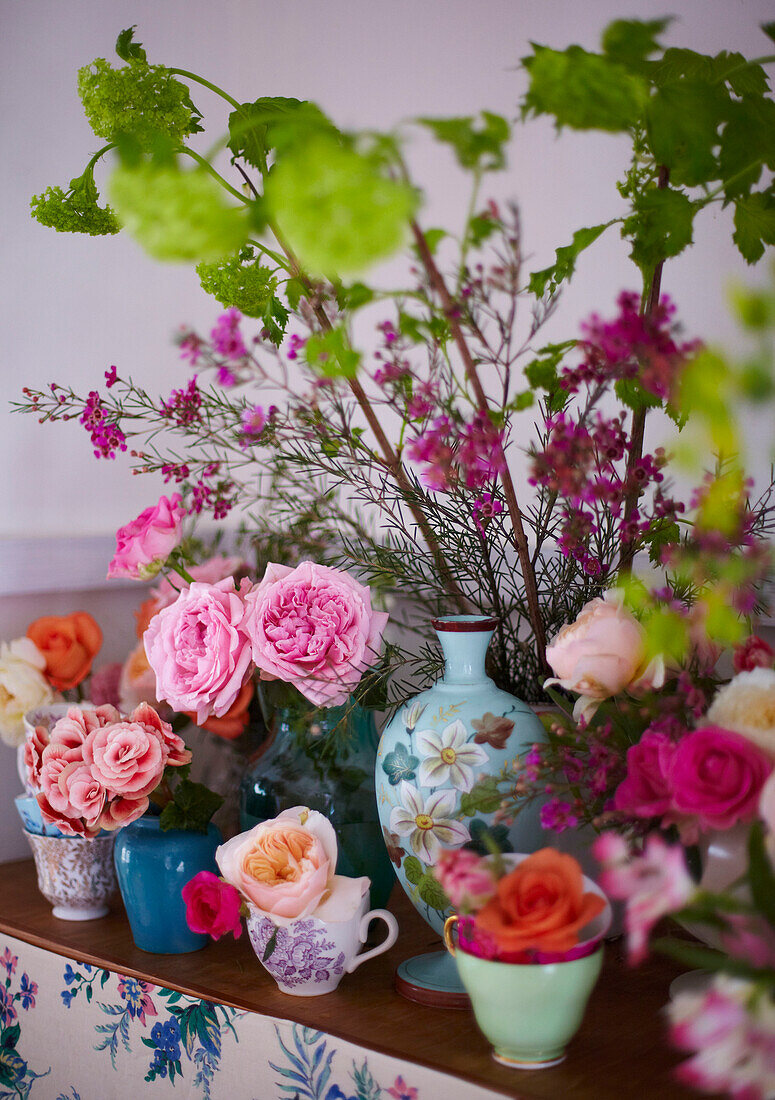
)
(336, 208)
(139, 99)
(239, 280)
(177, 215)
(75, 210)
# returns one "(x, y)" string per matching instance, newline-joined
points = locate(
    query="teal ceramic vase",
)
(322, 758)
(437, 767)
(152, 867)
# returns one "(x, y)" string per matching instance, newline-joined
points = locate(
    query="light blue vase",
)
(152, 867)
(437, 766)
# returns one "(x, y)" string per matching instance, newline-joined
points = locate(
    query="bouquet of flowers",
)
(398, 460)
(52, 661)
(97, 770)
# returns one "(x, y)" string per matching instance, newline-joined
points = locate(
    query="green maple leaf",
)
(754, 224)
(583, 90)
(661, 227)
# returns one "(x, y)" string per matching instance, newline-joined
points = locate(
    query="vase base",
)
(87, 912)
(522, 1063)
(431, 979)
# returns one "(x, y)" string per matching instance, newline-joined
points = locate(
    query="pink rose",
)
(284, 867)
(313, 627)
(127, 757)
(716, 777)
(143, 545)
(104, 682)
(465, 877)
(212, 906)
(645, 792)
(602, 653)
(199, 649)
(753, 653)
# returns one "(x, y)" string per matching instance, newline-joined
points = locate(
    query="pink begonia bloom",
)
(653, 884)
(70, 732)
(716, 778)
(129, 756)
(747, 705)
(753, 653)
(208, 572)
(645, 792)
(731, 1026)
(212, 906)
(123, 811)
(70, 798)
(285, 867)
(466, 878)
(315, 628)
(103, 685)
(602, 653)
(33, 755)
(143, 545)
(199, 649)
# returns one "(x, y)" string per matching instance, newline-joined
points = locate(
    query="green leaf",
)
(9, 1037)
(354, 296)
(431, 893)
(754, 224)
(484, 797)
(565, 261)
(747, 143)
(337, 208)
(583, 90)
(192, 807)
(413, 870)
(480, 228)
(663, 532)
(705, 958)
(128, 50)
(329, 353)
(660, 227)
(433, 238)
(683, 120)
(631, 40)
(760, 873)
(632, 394)
(769, 30)
(295, 290)
(275, 318)
(273, 121)
(478, 143)
(730, 68)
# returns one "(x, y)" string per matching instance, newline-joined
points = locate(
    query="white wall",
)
(72, 305)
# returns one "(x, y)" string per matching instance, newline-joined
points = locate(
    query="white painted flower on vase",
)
(450, 758)
(427, 821)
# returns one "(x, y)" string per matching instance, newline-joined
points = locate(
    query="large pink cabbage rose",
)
(144, 544)
(602, 653)
(199, 650)
(313, 627)
(285, 867)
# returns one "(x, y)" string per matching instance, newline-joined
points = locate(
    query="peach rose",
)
(137, 683)
(285, 867)
(236, 717)
(69, 643)
(541, 905)
(602, 653)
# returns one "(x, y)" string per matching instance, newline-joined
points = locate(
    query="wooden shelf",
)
(620, 1050)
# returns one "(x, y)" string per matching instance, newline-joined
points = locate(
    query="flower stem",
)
(207, 84)
(509, 493)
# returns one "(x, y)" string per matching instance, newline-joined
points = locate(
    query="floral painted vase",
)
(321, 757)
(438, 764)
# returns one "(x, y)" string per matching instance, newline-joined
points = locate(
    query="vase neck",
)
(464, 648)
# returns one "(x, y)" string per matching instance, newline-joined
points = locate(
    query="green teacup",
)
(529, 1012)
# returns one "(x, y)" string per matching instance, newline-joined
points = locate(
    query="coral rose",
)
(540, 905)
(22, 686)
(199, 649)
(716, 777)
(144, 544)
(315, 628)
(602, 653)
(285, 867)
(69, 643)
(212, 906)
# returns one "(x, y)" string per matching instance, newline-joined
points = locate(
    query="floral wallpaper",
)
(70, 1031)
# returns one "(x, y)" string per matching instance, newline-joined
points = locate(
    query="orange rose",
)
(234, 720)
(69, 643)
(541, 904)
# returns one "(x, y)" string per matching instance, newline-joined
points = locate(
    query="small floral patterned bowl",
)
(75, 874)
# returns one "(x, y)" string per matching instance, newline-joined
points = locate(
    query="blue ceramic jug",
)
(152, 867)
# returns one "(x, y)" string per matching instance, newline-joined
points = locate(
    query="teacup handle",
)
(449, 924)
(363, 931)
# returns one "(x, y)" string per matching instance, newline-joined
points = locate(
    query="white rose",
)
(746, 705)
(22, 686)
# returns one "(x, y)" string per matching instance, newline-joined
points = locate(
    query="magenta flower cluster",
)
(106, 436)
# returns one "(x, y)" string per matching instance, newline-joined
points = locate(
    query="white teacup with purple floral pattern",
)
(310, 955)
